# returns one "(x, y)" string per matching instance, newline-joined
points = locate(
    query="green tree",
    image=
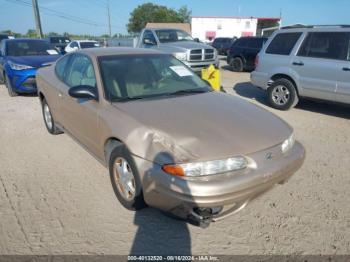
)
(31, 33)
(53, 34)
(151, 13)
(11, 33)
(185, 14)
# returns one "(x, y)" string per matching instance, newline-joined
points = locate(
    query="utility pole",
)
(39, 31)
(109, 20)
(280, 23)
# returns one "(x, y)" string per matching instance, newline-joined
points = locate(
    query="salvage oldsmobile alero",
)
(169, 141)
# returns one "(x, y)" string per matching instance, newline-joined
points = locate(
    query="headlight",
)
(15, 66)
(207, 168)
(180, 56)
(215, 53)
(288, 144)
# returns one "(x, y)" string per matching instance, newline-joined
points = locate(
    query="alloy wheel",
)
(47, 116)
(280, 95)
(124, 178)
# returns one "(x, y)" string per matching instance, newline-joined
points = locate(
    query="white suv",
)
(309, 61)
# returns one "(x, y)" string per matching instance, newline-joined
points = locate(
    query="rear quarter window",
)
(328, 45)
(283, 43)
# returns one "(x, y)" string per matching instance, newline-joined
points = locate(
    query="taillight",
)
(256, 62)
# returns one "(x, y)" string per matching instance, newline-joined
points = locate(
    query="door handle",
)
(346, 68)
(298, 63)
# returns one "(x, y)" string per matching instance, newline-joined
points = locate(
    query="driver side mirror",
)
(83, 91)
(149, 41)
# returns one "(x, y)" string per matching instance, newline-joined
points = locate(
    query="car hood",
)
(203, 127)
(182, 46)
(34, 61)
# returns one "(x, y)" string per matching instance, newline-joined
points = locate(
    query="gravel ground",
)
(57, 199)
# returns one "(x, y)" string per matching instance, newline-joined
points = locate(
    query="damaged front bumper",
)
(210, 198)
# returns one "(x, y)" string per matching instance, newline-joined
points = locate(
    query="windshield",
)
(172, 35)
(128, 77)
(29, 48)
(89, 44)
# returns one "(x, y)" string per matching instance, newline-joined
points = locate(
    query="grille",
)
(209, 54)
(201, 54)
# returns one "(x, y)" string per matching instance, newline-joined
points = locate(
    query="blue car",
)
(19, 61)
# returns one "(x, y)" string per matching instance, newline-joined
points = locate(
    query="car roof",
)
(252, 37)
(302, 29)
(24, 39)
(84, 40)
(164, 28)
(223, 38)
(111, 51)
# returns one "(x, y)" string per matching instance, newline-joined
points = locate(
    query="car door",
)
(317, 64)
(80, 116)
(343, 79)
(252, 49)
(54, 94)
(237, 49)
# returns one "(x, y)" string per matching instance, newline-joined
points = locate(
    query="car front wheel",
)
(2, 78)
(282, 94)
(125, 179)
(9, 87)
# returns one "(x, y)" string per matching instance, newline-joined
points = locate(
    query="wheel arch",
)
(240, 57)
(285, 76)
(41, 96)
(109, 144)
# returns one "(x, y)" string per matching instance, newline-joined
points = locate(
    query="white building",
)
(207, 28)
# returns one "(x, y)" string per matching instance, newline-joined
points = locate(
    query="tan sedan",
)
(169, 141)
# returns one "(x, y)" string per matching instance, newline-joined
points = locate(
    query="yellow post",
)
(212, 75)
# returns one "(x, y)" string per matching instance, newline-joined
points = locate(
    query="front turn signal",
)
(174, 170)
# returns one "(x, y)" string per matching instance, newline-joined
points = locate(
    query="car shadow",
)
(331, 109)
(29, 95)
(247, 90)
(157, 232)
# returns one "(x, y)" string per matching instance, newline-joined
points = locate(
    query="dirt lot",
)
(57, 199)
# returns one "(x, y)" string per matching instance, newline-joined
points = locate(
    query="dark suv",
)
(58, 42)
(243, 52)
(3, 36)
(223, 44)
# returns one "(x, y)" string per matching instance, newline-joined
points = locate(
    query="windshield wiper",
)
(127, 98)
(188, 91)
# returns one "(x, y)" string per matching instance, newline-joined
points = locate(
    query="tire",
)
(282, 94)
(130, 199)
(48, 119)
(2, 79)
(9, 87)
(237, 64)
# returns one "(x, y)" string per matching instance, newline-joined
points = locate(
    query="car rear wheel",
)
(236, 64)
(282, 94)
(48, 119)
(125, 179)
(9, 87)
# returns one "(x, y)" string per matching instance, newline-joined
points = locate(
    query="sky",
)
(17, 15)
